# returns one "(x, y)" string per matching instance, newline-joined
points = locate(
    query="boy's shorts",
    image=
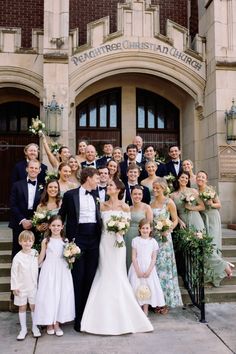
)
(25, 297)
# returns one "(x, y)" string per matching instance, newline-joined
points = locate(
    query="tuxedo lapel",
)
(77, 203)
(25, 191)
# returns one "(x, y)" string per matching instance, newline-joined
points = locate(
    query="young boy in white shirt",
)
(24, 277)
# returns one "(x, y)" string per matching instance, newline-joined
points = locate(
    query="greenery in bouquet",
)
(51, 175)
(197, 243)
(161, 226)
(71, 252)
(169, 179)
(188, 198)
(208, 194)
(55, 147)
(119, 225)
(37, 126)
(40, 217)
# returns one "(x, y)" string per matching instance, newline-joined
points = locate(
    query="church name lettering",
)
(126, 45)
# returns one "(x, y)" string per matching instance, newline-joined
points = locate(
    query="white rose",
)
(159, 225)
(67, 253)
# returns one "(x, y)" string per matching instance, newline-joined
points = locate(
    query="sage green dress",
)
(133, 232)
(212, 222)
(166, 264)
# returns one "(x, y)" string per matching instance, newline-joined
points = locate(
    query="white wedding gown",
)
(111, 308)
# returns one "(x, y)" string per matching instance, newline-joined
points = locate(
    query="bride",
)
(111, 307)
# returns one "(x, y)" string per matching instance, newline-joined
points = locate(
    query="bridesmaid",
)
(75, 170)
(211, 217)
(139, 211)
(187, 166)
(117, 154)
(188, 213)
(113, 168)
(151, 168)
(50, 202)
(166, 264)
(62, 156)
(64, 172)
(81, 156)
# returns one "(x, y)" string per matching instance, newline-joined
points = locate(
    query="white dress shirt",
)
(31, 194)
(87, 207)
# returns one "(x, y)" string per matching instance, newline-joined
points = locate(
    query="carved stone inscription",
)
(227, 163)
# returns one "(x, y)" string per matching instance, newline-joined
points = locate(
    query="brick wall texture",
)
(28, 14)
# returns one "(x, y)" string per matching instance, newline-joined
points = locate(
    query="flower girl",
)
(55, 297)
(142, 273)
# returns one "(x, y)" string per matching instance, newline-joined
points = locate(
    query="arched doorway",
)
(98, 119)
(157, 120)
(15, 118)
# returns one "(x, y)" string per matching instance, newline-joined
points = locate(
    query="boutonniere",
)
(97, 201)
(40, 188)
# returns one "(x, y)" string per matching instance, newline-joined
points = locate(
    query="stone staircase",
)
(225, 293)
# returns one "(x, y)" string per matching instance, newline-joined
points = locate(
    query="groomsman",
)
(174, 166)
(31, 153)
(131, 152)
(133, 173)
(24, 199)
(102, 185)
(107, 149)
(81, 211)
(90, 154)
(138, 141)
(150, 155)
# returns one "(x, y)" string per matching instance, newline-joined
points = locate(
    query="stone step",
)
(226, 293)
(229, 251)
(5, 256)
(4, 284)
(229, 240)
(4, 301)
(5, 269)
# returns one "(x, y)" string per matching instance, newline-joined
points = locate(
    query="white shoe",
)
(36, 332)
(21, 336)
(59, 332)
(50, 331)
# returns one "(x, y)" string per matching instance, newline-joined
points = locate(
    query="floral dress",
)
(166, 265)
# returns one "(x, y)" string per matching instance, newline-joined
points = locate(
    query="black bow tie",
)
(140, 152)
(88, 192)
(32, 182)
(131, 187)
(175, 162)
(102, 188)
(90, 164)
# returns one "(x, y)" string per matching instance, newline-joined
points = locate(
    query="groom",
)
(80, 209)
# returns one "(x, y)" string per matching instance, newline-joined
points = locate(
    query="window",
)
(155, 113)
(100, 111)
(16, 117)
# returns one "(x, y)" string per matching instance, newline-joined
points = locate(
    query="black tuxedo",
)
(146, 195)
(87, 237)
(102, 162)
(19, 172)
(84, 164)
(169, 168)
(19, 209)
(123, 170)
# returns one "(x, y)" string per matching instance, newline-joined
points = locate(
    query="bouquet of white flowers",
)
(54, 147)
(161, 225)
(51, 175)
(208, 194)
(40, 217)
(71, 252)
(119, 225)
(37, 126)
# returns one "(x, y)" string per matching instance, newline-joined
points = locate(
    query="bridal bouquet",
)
(71, 252)
(188, 198)
(161, 225)
(119, 225)
(170, 179)
(40, 217)
(37, 126)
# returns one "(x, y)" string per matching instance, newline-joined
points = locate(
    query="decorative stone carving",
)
(227, 163)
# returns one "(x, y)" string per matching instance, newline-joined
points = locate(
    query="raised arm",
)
(52, 159)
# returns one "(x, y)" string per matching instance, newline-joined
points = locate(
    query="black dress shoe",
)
(77, 327)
